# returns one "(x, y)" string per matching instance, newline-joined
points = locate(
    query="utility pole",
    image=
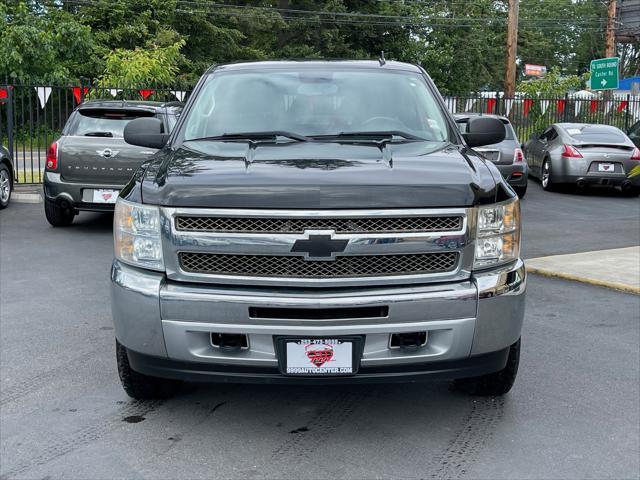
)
(610, 49)
(512, 48)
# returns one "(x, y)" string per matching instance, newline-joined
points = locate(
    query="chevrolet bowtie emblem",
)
(319, 247)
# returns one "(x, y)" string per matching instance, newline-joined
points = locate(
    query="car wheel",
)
(6, 186)
(546, 178)
(56, 215)
(521, 190)
(140, 386)
(632, 192)
(497, 383)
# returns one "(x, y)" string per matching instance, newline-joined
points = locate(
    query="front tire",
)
(56, 215)
(140, 386)
(492, 384)
(546, 177)
(6, 186)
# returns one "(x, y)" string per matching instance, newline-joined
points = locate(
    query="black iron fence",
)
(32, 116)
(529, 115)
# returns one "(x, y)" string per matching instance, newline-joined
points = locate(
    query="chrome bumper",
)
(164, 319)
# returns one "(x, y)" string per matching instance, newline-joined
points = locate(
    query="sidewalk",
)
(618, 268)
(27, 194)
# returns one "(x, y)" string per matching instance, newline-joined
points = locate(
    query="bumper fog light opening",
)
(229, 342)
(408, 341)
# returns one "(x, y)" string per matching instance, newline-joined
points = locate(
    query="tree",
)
(152, 66)
(40, 43)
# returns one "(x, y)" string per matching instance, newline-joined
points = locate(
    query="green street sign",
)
(604, 73)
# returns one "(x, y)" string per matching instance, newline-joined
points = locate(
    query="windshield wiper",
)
(386, 135)
(252, 136)
(98, 134)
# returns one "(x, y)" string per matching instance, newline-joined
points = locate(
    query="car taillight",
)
(52, 156)
(636, 154)
(518, 156)
(570, 151)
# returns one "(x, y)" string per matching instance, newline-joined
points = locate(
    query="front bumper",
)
(77, 194)
(166, 326)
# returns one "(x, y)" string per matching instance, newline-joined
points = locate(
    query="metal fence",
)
(32, 116)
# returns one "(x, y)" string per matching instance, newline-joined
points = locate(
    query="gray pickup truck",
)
(90, 163)
(317, 222)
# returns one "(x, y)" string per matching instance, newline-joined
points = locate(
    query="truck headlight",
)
(498, 234)
(136, 235)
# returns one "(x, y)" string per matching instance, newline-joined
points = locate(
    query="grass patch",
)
(30, 177)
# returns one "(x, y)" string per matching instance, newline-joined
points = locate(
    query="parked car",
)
(583, 154)
(634, 134)
(317, 222)
(6, 177)
(90, 163)
(506, 155)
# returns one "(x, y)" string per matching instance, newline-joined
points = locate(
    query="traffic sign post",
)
(604, 73)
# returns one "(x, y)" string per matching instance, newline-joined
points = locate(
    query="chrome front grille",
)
(298, 267)
(215, 224)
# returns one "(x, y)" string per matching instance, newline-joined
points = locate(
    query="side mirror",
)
(145, 132)
(484, 131)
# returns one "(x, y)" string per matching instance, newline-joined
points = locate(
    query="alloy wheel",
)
(546, 173)
(5, 186)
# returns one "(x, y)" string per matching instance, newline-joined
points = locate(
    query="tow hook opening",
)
(229, 342)
(409, 340)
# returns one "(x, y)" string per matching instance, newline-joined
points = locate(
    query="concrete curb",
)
(19, 197)
(622, 287)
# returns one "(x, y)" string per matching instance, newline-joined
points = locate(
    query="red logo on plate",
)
(107, 196)
(606, 167)
(319, 354)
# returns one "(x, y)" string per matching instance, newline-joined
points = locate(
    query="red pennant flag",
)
(76, 93)
(622, 106)
(491, 105)
(560, 104)
(4, 93)
(146, 93)
(594, 105)
(528, 102)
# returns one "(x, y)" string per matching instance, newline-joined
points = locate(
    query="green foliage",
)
(153, 66)
(553, 84)
(41, 43)
(460, 43)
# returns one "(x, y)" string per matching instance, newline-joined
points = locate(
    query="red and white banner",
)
(179, 94)
(43, 95)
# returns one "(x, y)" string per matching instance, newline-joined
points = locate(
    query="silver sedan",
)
(583, 154)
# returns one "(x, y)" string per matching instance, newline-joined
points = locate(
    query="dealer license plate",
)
(606, 167)
(319, 357)
(102, 195)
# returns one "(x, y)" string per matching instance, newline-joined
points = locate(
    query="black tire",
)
(521, 190)
(492, 384)
(56, 215)
(632, 192)
(6, 185)
(547, 183)
(140, 386)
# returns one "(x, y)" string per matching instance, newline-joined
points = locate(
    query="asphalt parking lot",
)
(573, 413)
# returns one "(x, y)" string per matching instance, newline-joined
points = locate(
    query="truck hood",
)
(316, 175)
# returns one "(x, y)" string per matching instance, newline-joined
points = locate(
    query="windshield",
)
(314, 103)
(103, 122)
(595, 134)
